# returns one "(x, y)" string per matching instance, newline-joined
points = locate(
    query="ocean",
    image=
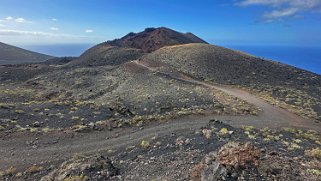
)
(308, 58)
(59, 50)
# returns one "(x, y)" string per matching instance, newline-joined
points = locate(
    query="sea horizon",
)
(59, 50)
(303, 57)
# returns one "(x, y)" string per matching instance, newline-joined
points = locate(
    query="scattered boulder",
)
(236, 155)
(84, 168)
(195, 174)
(215, 171)
(230, 160)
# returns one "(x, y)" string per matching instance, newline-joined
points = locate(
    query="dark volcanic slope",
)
(154, 38)
(278, 83)
(12, 55)
(132, 46)
(101, 55)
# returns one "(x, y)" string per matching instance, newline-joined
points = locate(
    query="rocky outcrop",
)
(84, 168)
(227, 162)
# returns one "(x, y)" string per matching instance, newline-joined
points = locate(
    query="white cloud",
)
(6, 32)
(54, 19)
(277, 14)
(301, 4)
(2, 25)
(261, 2)
(19, 36)
(9, 18)
(284, 8)
(54, 28)
(21, 32)
(20, 20)
(16, 20)
(89, 31)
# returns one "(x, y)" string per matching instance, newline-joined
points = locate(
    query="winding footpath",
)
(15, 152)
(271, 116)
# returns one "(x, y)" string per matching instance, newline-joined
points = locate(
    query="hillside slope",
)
(278, 83)
(154, 38)
(12, 55)
(159, 115)
(106, 55)
(133, 46)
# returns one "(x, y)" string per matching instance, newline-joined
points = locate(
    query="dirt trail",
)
(271, 116)
(15, 152)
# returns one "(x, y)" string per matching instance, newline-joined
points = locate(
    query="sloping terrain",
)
(65, 98)
(133, 46)
(59, 60)
(103, 84)
(154, 38)
(106, 55)
(143, 108)
(182, 151)
(14, 55)
(280, 84)
(12, 74)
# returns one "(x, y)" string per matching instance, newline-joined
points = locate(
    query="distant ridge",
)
(14, 55)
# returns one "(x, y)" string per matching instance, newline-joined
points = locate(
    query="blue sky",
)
(244, 22)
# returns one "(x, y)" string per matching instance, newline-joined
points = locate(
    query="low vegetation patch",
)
(34, 169)
(145, 144)
(315, 153)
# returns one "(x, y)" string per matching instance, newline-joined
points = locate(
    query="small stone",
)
(157, 144)
(234, 175)
(140, 123)
(91, 125)
(180, 141)
(207, 133)
(130, 147)
(36, 124)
